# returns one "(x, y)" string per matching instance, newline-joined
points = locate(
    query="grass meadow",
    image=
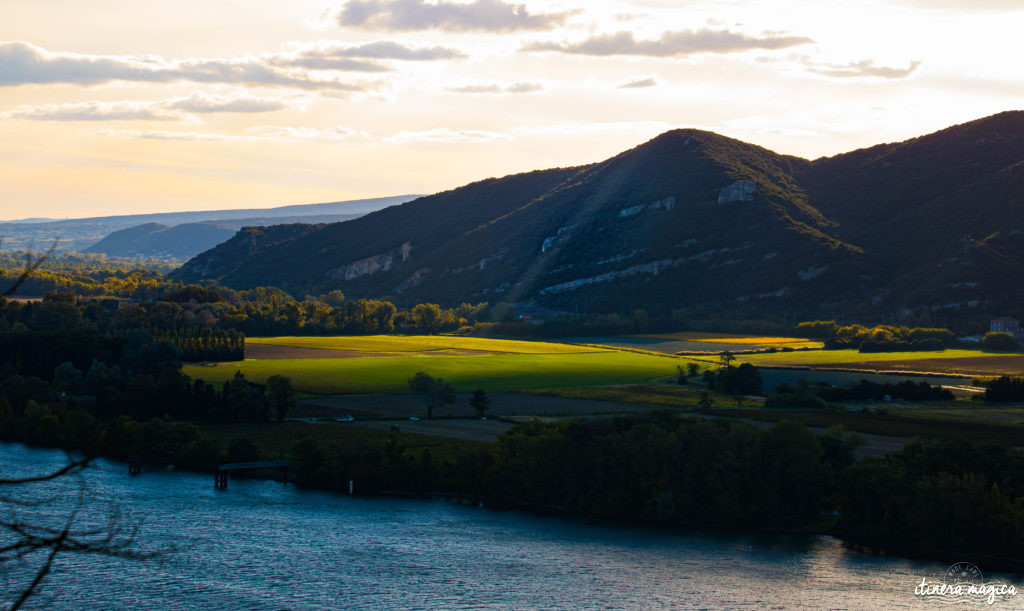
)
(500, 365)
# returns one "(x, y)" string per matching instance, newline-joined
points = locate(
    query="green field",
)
(559, 366)
(421, 343)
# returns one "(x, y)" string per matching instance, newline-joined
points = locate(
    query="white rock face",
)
(622, 257)
(650, 268)
(742, 191)
(811, 272)
(551, 241)
(668, 203)
(415, 279)
(665, 204)
(371, 265)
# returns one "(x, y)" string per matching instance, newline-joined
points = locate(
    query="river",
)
(262, 545)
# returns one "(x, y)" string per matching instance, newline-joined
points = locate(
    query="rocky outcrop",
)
(371, 265)
(742, 191)
(414, 280)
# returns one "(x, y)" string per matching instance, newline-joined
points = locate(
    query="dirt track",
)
(269, 351)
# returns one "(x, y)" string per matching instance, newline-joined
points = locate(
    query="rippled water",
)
(261, 545)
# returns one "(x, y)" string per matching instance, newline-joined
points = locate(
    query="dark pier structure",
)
(220, 476)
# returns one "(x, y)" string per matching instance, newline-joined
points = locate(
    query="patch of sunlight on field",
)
(757, 341)
(493, 372)
(421, 343)
(731, 339)
(831, 357)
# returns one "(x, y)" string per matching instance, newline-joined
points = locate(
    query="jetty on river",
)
(220, 476)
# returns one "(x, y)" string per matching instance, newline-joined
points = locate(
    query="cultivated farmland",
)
(973, 362)
(382, 364)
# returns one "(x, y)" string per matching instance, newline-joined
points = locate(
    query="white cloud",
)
(480, 15)
(443, 135)
(334, 55)
(639, 83)
(389, 49)
(966, 5)
(24, 63)
(174, 109)
(156, 134)
(670, 44)
(863, 68)
(568, 129)
(495, 88)
(255, 133)
(203, 103)
(93, 111)
(282, 132)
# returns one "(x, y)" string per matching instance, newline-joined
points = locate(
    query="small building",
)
(1005, 324)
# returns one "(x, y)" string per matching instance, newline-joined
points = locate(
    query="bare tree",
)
(23, 540)
(31, 265)
(26, 543)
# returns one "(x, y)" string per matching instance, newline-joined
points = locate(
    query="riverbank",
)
(263, 546)
(655, 469)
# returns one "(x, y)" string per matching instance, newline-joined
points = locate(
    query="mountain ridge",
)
(690, 219)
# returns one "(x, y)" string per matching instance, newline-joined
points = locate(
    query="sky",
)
(133, 106)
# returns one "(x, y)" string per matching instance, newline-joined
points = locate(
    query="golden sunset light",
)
(129, 107)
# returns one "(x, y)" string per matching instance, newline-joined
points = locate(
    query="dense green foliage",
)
(657, 468)
(808, 395)
(109, 375)
(994, 340)
(1005, 389)
(435, 393)
(742, 380)
(189, 312)
(955, 496)
(882, 338)
(660, 468)
(873, 391)
(197, 344)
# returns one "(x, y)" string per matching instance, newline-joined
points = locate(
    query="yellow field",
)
(757, 341)
(729, 341)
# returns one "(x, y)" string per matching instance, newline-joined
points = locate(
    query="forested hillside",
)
(690, 219)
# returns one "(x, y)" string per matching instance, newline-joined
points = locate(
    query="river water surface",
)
(261, 545)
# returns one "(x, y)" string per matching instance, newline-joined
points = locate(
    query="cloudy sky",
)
(125, 106)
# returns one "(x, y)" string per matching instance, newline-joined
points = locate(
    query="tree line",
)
(881, 338)
(256, 312)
